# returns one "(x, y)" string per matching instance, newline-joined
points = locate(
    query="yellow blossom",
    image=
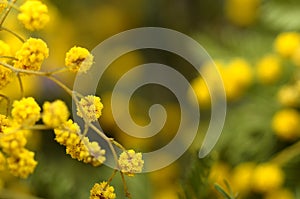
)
(267, 177)
(22, 164)
(55, 113)
(67, 133)
(268, 69)
(91, 107)
(289, 96)
(12, 140)
(32, 54)
(26, 111)
(78, 59)
(86, 151)
(102, 191)
(34, 15)
(242, 176)
(280, 194)
(287, 43)
(3, 5)
(242, 12)
(131, 162)
(286, 124)
(200, 88)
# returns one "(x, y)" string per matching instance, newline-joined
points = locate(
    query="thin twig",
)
(127, 194)
(8, 103)
(13, 33)
(287, 154)
(21, 85)
(6, 12)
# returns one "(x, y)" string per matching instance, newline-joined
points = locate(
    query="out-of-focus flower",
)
(4, 51)
(242, 176)
(286, 124)
(287, 43)
(289, 96)
(280, 194)
(268, 69)
(2, 161)
(55, 113)
(78, 59)
(33, 14)
(131, 162)
(237, 77)
(200, 88)
(219, 172)
(242, 12)
(267, 177)
(32, 54)
(3, 5)
(102, 191)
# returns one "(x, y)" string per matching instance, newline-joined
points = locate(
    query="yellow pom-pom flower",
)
(131, 162)
(31, 55)
(268, 69)
(286, 124)
(242, 12)
(22, 164)
(67, 133)
(267, 177)
(102, 191)
(34, 15)
(200, 88)
(3, 5)
(55, 113)
(78, 59)
(289, 96)
(287, 43)
(26, 111)
(12, 141)
(242, 176)
(90, 108)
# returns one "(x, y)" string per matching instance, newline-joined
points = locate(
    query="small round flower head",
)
(268, 69)
(289, 96)
(102, 191)
(267, 177)
(96, 155)
(2, 161)
(286, 124)
(12, 140)
(78, 59)
(22, 164)
(91, 107)
(55, 113)
(67, 133)
(31, 55)
(130, 162)
(242, 176)
(34, 15)
(287, 43)
(26, 111)
(3, 4)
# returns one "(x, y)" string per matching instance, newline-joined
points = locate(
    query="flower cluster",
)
(78, 59)
(20, 161)
(55, 113)
(90, 107)
(131, 162)
(34, 15)
(102, 191)
(31, 55)
(68, 134)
